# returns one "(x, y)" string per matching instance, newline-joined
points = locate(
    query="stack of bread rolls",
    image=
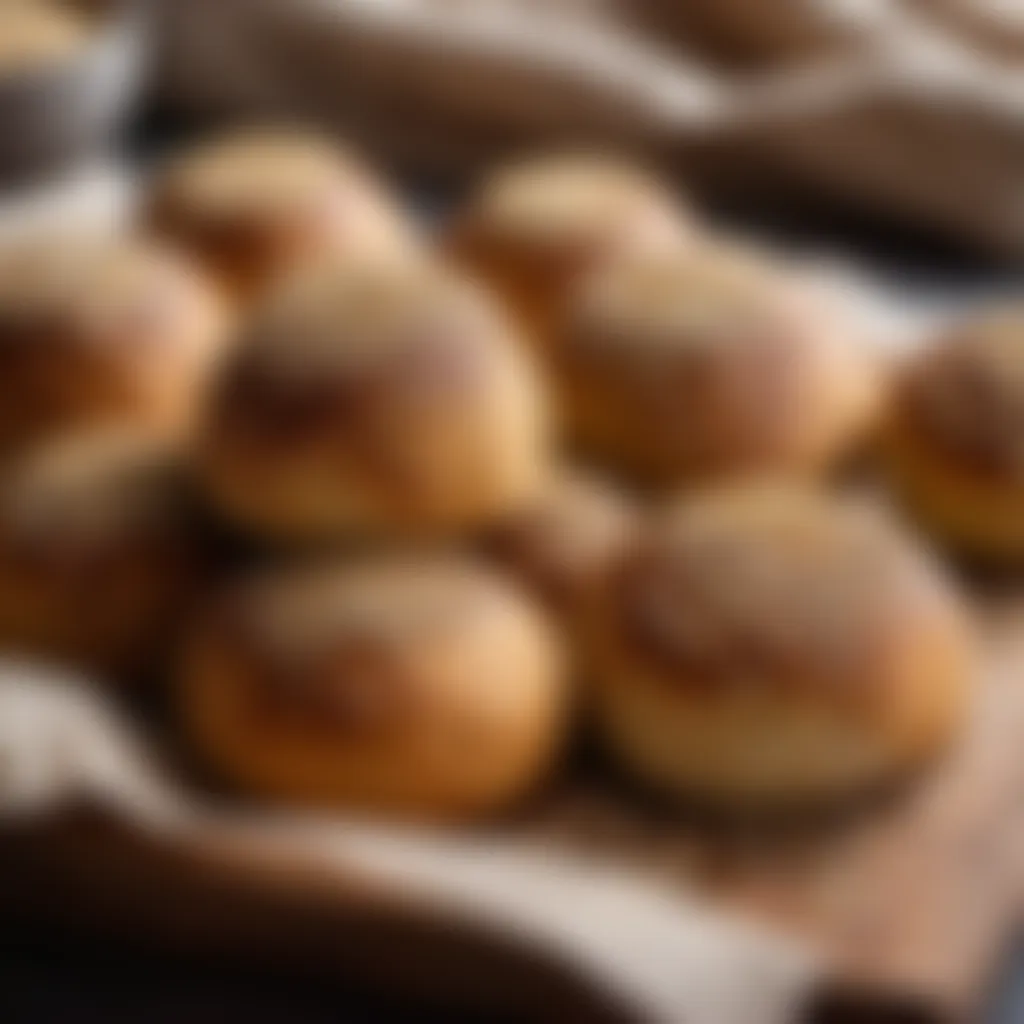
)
(393, 517)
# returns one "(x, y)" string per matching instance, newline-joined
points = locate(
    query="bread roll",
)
(98, 555)
(259, 204)
(766, 648)
(537, 227)
(688, 368)
(955, 437)
(98, 333)
(39, 33)
(375, 400)
(417, 688)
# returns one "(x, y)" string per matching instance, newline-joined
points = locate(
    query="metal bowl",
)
(57, 115)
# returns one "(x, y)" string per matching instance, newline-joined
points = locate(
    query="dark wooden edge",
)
(90, 878)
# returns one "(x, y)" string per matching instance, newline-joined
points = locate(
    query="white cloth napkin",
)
(659, 955)
(97, 197)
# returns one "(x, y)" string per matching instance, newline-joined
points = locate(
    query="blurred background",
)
(886, 134)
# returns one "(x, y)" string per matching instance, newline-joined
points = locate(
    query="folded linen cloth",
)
(634, 950)
(896, 108)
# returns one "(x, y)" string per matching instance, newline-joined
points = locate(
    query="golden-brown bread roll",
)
(421, 688)
(375, 399)
(684, 368)
(101, 332)
(766, 648)
(954, 441)
(536, 227)
(559, 544)
(259, 204)
(98, 556)
(37, 33)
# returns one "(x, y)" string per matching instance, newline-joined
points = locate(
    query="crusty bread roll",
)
(98, 555)
(259, 204)
(765, 647)
(558, 545)
(419, 687)
(537, 227)
(954, 441)
(39, 33)
(375, 399)
(712, 364)
(100, 332)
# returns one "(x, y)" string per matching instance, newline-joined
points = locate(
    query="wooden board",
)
(909, 904)
(914, 899)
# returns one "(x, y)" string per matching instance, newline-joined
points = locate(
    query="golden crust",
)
(376, 399)
(35, 35)
(710, 364)
(763, 645)
(257, 205)
(98, 560)
(419, 688)
(559, 544)
(537, 227)
(954, 439)
(98, 333)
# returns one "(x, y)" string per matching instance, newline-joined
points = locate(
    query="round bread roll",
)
(558, 545)
(37, 33)
(537, 227)
(98, 559)
(767, 648)
(98, 333)
(954, 441)
(681, 369)
(374, 399)
(417, 688)
(261, 203)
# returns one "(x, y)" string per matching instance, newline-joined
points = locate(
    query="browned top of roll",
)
(37, 33)
(261, 171)
(96, 293)
(965, 393)
(720, 355)
(563, 211)
(95, 329)
(778, 589)
(363, 350)
(264, 195)
(364, 650)
(340, 317)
